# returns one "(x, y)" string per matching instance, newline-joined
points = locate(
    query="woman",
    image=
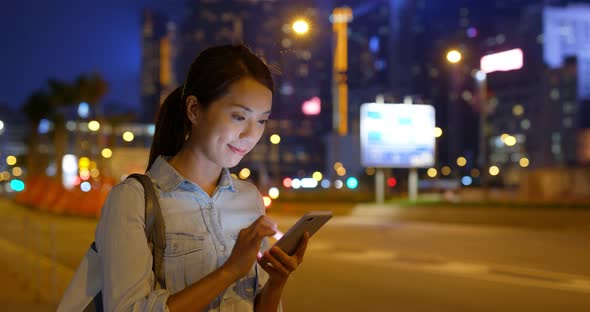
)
(215, 225)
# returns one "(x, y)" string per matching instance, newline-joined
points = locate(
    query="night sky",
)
(64, 38)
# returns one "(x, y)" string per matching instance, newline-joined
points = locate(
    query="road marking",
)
(369, 256)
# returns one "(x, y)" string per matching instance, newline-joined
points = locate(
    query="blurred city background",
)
(451, 139)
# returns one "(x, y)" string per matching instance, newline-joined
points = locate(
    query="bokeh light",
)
(275, 139)
(287, 182)
(94, 125)
(128, 136)
(106, 153)
(267, 201)
(11, 160)
(301, 27)
(494, 170)
(454, 56)
(244, 173)
(438, 132)
(273, 193)
(352, 183)
(461, 161)
(432, 172)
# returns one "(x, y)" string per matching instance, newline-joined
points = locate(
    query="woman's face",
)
(233, 124)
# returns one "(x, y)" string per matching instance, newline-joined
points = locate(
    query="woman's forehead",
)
(249, 95)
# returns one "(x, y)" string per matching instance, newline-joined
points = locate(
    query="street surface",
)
(360, 261)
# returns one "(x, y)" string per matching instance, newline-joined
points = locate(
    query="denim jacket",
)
(200, 235)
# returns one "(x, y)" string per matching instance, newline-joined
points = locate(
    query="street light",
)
(454, 56)
(301, 27)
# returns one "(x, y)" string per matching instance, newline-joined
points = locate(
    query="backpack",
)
(84, 293)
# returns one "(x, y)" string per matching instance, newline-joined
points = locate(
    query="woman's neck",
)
(197, 169)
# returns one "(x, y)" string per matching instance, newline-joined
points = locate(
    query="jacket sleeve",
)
(125, 257)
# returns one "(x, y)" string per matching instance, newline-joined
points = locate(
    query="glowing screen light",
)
(502, 61)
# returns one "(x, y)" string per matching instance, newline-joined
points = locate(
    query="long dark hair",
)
(209, 78)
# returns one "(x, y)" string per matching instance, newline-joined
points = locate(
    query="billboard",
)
(397, 135)
(502, 61)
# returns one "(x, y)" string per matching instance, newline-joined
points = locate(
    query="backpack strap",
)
(154, 227)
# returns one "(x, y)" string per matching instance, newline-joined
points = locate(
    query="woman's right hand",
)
(247, 246)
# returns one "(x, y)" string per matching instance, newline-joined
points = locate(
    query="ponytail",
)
(172, 126)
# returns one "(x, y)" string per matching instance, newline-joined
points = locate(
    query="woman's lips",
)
(237, 150)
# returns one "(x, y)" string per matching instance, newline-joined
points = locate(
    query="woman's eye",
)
(238, 117)
(263, 122)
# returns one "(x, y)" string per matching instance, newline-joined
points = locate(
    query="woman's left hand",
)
(280, 265)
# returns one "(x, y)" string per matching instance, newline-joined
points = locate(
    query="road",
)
(355, 263)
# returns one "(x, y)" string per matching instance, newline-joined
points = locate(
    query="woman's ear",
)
(193, 109)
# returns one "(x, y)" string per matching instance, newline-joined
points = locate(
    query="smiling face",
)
(232, 125)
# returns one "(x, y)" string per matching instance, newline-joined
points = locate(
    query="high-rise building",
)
(300, 64)
(158, 57)
(541, 104)
(566, 33)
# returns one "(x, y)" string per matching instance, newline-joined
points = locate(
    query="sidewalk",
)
(16, 296)
(38, 255)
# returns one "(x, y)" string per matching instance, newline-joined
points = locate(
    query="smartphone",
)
(311, 222)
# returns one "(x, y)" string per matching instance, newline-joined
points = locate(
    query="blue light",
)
(480, 76)
(17, 185)
(43, 126)
(151, 129)
(466, 181)
(352, 183)
(471, 32)
(83, 110)
(85, 187)
(374, 44)
(380, 65)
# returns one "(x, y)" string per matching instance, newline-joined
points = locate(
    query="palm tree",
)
(36, 108)
(61, 95)
(91, 88)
